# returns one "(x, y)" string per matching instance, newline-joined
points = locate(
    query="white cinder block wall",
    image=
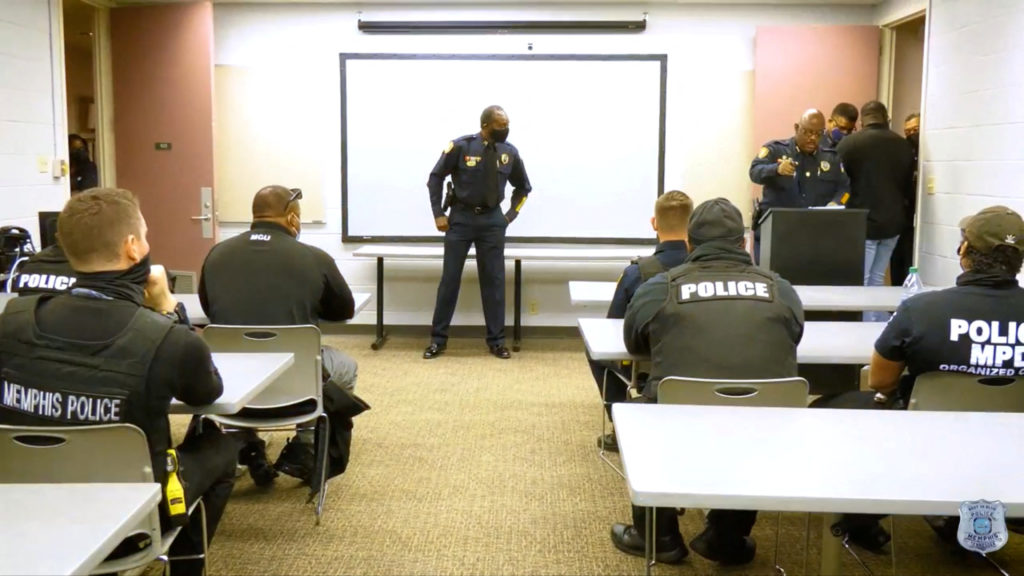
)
(971, 145)
(709, 141)
(31, 111)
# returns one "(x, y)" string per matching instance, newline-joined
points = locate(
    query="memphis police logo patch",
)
(982, 526)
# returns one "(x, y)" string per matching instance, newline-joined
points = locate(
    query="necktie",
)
(490, 176)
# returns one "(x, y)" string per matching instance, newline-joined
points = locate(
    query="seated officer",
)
(266, 277)
(671, 218)
(693, 323)
(117, 348)
(944, 330)
(45, 272)
(797, 172)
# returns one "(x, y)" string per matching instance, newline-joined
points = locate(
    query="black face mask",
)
(914, 139)
(499, 135)
(127, 284)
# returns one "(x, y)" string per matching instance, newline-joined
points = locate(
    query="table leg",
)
(831, 547)
(517, 327)
(382, 336)
(649, 539)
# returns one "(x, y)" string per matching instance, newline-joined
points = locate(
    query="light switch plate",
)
(43, 164)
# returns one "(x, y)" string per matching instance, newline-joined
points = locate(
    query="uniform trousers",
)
(207, 463)
(487, 232)
(727, 525)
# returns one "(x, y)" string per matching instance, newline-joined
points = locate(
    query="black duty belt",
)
(475, 209)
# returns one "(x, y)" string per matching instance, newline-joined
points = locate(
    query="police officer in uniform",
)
(117, 348)
(480, 165)
(45, 272)
(797, 173)
(972, 328)
(671, 219)
(716, 316)
(267, 277)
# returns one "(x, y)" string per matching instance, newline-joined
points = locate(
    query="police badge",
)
(504, 159)
(825, 166)
(982, 526)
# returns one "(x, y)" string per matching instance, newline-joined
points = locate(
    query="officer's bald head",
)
(278, 204)
(808, 130)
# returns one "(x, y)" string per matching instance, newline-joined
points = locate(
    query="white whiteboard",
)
(590, 130)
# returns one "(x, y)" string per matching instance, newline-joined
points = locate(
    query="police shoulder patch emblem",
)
(825, 166)
(763, 153)
(449, 147)
(982, 526)
(504, 159)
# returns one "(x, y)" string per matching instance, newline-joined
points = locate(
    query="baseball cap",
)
(716, 219)
(994, 226)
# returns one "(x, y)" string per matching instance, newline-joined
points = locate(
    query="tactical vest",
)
(722, 320)
(649, 267)
(49, 381)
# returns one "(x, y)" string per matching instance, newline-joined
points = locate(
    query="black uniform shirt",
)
(267, 277)
(46, 271)
(881, 166)
(819, 178)
(463, 159)
(182, 367)
(976, 327)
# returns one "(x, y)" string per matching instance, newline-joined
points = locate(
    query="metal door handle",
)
(203, 218)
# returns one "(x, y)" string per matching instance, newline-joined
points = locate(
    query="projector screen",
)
(590, 130)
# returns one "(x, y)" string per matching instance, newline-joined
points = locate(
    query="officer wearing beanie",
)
(715, 316)
(973, 328)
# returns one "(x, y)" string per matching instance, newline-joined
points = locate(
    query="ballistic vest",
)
(49, 381)
(649, 267)
(722, 320)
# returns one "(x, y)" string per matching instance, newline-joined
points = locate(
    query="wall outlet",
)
(533, 308)
(43, 164)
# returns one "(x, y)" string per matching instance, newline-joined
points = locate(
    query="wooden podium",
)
(818, 247)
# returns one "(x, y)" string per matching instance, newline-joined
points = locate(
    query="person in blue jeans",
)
(880, 164)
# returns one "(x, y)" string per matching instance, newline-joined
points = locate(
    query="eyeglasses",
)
(296, 195)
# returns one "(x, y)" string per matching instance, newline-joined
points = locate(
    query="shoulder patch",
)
(763, 153)
(449, 147)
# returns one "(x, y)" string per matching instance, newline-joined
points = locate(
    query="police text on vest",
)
(46, 281)
(725, 288)
(997, 347)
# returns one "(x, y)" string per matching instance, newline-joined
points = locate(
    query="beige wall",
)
(908, 69)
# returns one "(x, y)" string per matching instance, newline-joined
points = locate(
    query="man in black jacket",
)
(716, 316)
(45, 272)
(266, 277)
(880, 164)
(117, 348)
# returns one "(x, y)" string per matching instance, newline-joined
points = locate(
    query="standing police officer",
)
(480, 165)
(841, 124)
(797, 173)
(716, 316)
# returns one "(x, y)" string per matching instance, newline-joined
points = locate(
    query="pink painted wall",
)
(162, 63)
(801, 67)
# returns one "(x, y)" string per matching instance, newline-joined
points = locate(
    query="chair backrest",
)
(301, 381)
(778, 393)
(111, 453)
(953, 392)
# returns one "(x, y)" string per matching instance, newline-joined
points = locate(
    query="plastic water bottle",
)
(912, 285)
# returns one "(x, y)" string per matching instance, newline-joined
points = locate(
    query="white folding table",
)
(244, 375)
(785, 459)
(814, 298)
(51, 529)
(822, 342)
(518, 254)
